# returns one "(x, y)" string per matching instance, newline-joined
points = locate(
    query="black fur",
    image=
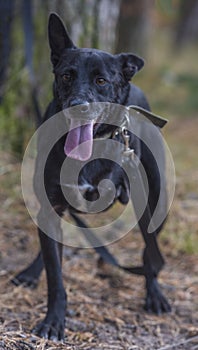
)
(83, 76)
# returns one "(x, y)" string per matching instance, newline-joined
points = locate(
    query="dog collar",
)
(154, 118)
(123, 134)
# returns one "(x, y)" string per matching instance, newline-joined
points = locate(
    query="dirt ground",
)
(105, 306)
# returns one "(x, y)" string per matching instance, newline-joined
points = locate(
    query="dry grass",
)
(106, 313)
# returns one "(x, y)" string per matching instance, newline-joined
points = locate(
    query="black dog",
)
(83, 76)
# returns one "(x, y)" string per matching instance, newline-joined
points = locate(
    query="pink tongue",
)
(79, 141)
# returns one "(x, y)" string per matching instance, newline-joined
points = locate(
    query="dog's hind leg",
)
(29, 277)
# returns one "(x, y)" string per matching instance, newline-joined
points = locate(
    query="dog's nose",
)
(84, 105)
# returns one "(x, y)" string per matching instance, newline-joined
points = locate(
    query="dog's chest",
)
(98, 185)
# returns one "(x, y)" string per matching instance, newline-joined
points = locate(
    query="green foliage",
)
(15, 114)
(167, 78)
(190, 83)
(168, 7)
(178, 92)
(170, 78)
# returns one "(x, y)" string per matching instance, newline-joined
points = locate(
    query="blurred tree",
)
(6, 17)
(88, 20)
(133, 26)
(187, 26)
(108, 17)
(95, 32)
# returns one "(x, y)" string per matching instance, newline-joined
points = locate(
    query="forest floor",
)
(106, 312)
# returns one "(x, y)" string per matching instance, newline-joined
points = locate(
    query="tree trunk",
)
(6, 16)
(187, 26)
(133, 26)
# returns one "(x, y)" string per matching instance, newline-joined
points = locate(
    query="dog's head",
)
(84, 76)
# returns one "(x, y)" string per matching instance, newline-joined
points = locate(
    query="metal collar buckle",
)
(128, 152)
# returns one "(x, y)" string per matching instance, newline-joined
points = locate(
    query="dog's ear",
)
(58, 37)
(130, 64)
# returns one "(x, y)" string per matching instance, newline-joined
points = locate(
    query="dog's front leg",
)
(52, 327)
(155, 300)
(152, 259)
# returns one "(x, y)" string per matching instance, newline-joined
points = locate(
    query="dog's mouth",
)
(88, 122)
(83, 124)
(79, 141)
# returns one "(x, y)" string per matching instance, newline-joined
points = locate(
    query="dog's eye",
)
(100, 81)
(66, 78)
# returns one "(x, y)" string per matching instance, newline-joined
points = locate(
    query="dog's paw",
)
(155, 300)
(25, 280)
(50, 329)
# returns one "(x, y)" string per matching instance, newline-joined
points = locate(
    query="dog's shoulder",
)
(137, 97)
